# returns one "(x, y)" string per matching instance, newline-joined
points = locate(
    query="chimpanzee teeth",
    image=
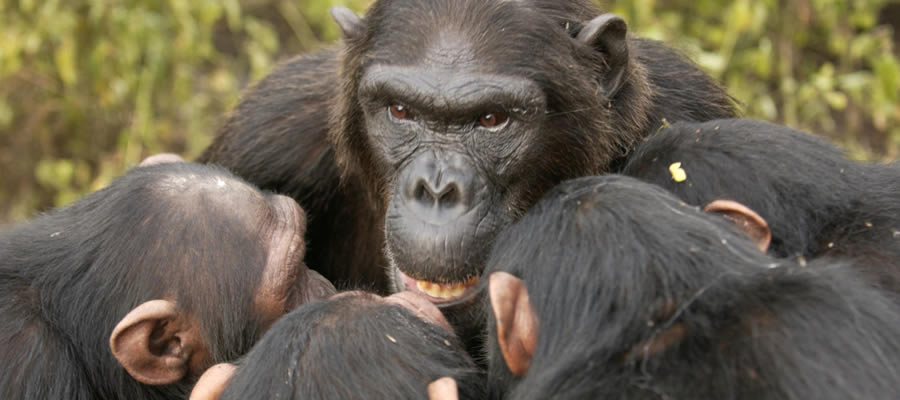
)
(445, 290)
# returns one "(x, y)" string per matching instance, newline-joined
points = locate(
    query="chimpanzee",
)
(446, 120)
(354, 346)
(814, 201)
(134, 290)
(613, 288)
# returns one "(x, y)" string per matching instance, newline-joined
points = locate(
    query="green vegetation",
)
(825, 66)
(89, 87)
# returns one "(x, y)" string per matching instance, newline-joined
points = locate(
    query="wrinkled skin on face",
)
(454, 117)
(435, 124)
(462, 128)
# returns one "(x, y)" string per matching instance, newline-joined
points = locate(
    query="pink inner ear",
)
(745, 219)
(145, 342)
(526, 324)
(517, 323)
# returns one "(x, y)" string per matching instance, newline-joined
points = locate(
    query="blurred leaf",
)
(6, 113)
(767, 107)
(64, 56)
(711, 62)
(854, 81)
(233, 12)
(887, 72)
(26, 5)
(836, 100)
(89, 87)
(55, 173)
(824, 66)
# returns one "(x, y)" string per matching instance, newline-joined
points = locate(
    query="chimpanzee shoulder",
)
(276, 138)
(680, 90)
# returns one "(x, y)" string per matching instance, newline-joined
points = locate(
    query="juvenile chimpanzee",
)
(353, 346)
(814, 201)
(613, 288)
(449, 119)
(133, 291)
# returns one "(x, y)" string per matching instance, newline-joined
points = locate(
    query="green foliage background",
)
(90, 87)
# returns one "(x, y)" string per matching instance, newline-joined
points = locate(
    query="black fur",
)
(353, 348)
(276, 137)
(67, 277)
(610, 263)
(816, 201)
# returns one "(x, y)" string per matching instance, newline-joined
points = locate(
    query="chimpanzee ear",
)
(745, 219)
(213, 382)
(162, 158)
(607, 34)
(350, 23)
(154, 343)
(517, 323)
(442, 389)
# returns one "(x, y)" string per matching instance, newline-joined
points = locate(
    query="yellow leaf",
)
(65, 62)
(678, 173)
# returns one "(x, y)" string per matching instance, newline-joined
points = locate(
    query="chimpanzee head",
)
(353, 346)
(141, 286)
(459, 115)
(613, 288)
(591, 282)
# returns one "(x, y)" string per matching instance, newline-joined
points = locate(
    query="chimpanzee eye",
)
(399, 111)
(493, 119)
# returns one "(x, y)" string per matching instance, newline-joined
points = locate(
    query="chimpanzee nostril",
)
(423, 193)
(446, 194)
(450, 197)
(438, 190)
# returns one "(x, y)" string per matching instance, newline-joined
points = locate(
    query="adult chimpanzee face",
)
(459, 122)
(453, 140)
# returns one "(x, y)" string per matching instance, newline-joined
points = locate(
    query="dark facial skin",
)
(353, 346)
(121, 294)
(458, 138)
(454, 134)
(494, 103)
(459, 128)
(637, 295)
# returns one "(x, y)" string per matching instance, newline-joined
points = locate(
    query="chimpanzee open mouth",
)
(440, 293)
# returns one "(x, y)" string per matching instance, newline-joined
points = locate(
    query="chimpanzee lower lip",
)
(438, 293)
